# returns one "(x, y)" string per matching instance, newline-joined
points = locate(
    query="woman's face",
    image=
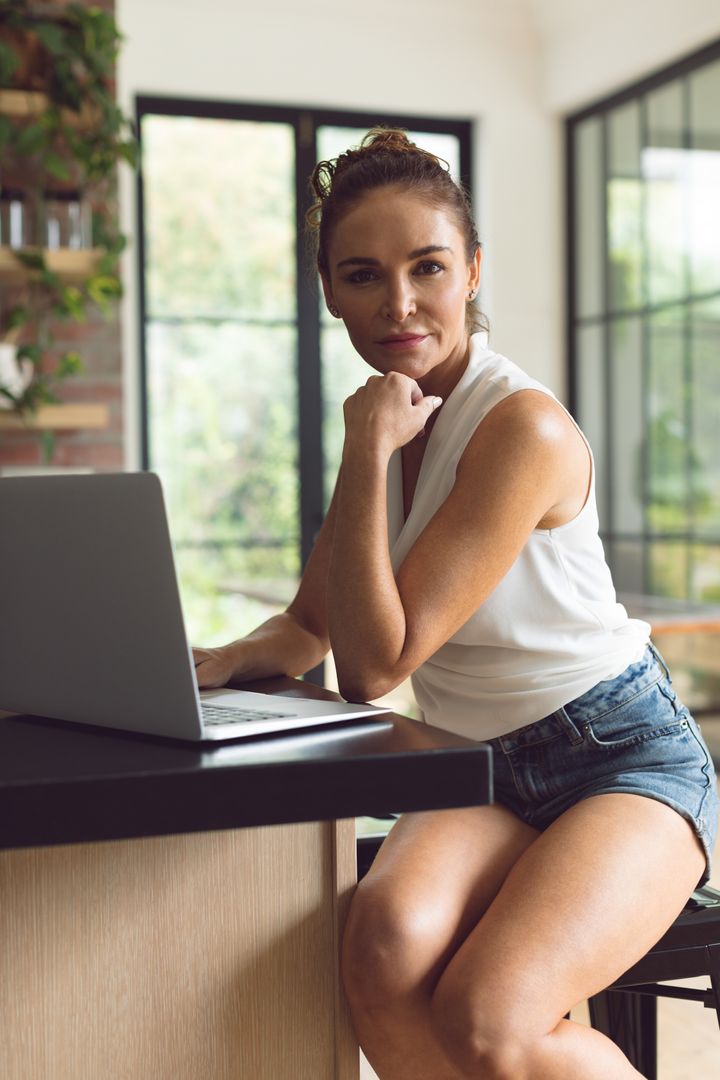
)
(399, 278)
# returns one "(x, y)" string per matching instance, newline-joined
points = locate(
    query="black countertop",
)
(63, 783)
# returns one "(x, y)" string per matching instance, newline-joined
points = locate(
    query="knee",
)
(480, 1037)
(388, 949)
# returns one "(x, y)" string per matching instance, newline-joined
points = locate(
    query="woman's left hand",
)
(387, 412)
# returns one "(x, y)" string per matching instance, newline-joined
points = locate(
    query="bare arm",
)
(525, 466)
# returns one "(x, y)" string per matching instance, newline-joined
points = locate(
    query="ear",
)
(327, 293)
(473, 279)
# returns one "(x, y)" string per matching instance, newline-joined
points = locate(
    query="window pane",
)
(624, 207)
(592, 406)
(626, 416)
(706, 575)
(343, 372)
(224, 442)
(705, 399)
(665, 169)
(668, 569)
(219, 200)
(667, 436)
(221, 339)
(589, 217)
(705, 178)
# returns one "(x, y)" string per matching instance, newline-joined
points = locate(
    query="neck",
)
(442, 380)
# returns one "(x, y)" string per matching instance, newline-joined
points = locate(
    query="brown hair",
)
(387, 157)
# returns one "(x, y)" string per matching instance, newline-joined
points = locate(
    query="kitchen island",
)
(173, 911)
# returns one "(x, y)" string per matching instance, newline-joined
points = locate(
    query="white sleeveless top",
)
(552, 628)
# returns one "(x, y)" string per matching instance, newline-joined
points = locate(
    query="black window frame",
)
(633, 92)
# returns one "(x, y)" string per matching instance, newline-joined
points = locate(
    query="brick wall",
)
(98, 341)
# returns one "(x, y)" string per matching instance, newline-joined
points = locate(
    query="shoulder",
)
(528, 420)
(528, 450)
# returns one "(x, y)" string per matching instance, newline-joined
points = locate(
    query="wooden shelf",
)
(57, 418)
(29, 104)
(71, 264)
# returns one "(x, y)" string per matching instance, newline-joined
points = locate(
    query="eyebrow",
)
(362, 260)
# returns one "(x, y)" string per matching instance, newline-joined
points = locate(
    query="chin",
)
(411, 364)
(414, 371)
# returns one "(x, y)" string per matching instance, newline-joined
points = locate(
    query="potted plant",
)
(62, 131)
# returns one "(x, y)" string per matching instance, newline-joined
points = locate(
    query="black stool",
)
(627, 1010)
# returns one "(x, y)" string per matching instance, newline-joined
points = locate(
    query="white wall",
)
(592, 49)
(511, 67)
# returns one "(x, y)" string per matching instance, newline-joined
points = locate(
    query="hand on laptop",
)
(213, 668)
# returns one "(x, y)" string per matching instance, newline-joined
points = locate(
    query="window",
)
(644, 323)
(244, 372)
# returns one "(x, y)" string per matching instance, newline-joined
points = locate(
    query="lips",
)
(399, 340)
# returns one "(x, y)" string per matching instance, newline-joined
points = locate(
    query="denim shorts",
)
(629, 734)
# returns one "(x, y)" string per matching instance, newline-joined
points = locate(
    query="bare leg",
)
(447, 983)
(581, 905)
(433, 879)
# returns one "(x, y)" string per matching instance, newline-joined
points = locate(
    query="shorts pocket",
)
(651, 714)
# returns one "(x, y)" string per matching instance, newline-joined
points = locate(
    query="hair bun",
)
(391, 139)
(378, 141)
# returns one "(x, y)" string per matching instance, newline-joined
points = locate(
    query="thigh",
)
(582, 905)
(432, 879)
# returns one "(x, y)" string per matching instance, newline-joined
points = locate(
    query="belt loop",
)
(575, 736)
(502, 743)
(658, 656)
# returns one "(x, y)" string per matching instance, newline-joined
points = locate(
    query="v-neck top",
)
(552, 628)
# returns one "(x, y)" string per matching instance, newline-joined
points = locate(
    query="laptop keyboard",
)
(225, 714)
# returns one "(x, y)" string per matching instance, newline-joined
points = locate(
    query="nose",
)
(399, 300)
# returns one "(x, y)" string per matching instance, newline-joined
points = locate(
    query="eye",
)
(429, 268)
(361, 277)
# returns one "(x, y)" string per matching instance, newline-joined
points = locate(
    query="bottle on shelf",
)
(67, 221)
(13, 218)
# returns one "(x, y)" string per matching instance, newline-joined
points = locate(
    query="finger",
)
(430, 404)
(425, 408)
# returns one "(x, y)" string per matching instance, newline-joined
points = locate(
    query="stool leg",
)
(714, 969)
(630, 1020)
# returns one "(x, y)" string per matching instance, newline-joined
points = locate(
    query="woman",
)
(461, 548)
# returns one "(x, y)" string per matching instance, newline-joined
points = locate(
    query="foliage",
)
(221, 239)
(224, 442)
(76, 55)
(75, 142)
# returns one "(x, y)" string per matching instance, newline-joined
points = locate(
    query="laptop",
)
(91, 624)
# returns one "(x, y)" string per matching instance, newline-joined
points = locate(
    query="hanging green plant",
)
(69, 139)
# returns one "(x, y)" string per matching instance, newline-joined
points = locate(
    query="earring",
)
(471, 294)
(333, 311)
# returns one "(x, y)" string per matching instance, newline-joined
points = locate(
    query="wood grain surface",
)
(196, 957)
